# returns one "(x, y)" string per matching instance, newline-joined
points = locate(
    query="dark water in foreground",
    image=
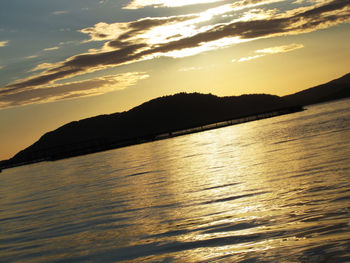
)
(274, 190)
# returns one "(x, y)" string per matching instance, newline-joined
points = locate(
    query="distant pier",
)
(239, 120)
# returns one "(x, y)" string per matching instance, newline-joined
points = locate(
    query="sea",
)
(272, 190)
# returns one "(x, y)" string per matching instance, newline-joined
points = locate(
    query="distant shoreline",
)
(155, 137)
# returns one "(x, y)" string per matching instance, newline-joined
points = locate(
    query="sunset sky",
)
(66, 60)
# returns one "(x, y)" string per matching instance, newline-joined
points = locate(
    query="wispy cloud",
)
(71, 90)
(137, 31)
(42, 66)
(51, 48)
(190, 69)
(280, 49)
(65, 29)
(136, 4)
(271, 50)
(31, 57)
(249, 58)
(4, 43)
(60, 12)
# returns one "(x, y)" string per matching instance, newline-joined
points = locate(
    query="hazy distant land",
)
(163, 117)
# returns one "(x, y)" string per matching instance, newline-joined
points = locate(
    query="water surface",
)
(273, 190)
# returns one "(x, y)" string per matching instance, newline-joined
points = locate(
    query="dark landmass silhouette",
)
(166, 117)
(333, 90)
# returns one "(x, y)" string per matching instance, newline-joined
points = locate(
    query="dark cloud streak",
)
(71, 90)
(42, 79)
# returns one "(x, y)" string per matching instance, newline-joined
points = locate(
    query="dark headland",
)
(166, 117)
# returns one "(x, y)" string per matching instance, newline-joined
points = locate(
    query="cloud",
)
(31, 57)
(137, 4)
(280, 49)
(190, 69)
(71, 90)
(1, 67)
(249, 58)
(51, 48)
(271, 50)
(65, 29)
(4, 43)
(134, 31)
(186, 35)
(42, 66)
(60, 12)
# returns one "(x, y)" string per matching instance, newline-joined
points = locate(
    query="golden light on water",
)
(243, 201)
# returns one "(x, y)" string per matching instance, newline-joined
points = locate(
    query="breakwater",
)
(243, 119)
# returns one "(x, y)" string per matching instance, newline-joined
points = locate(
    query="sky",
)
(62, 61)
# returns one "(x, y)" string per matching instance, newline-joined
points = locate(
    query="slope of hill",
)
(333, 90)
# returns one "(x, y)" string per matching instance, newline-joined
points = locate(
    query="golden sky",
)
(67, 61)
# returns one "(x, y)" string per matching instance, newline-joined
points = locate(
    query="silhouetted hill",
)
(333, 90)
(144, 122)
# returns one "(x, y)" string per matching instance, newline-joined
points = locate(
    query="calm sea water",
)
(274, 190)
